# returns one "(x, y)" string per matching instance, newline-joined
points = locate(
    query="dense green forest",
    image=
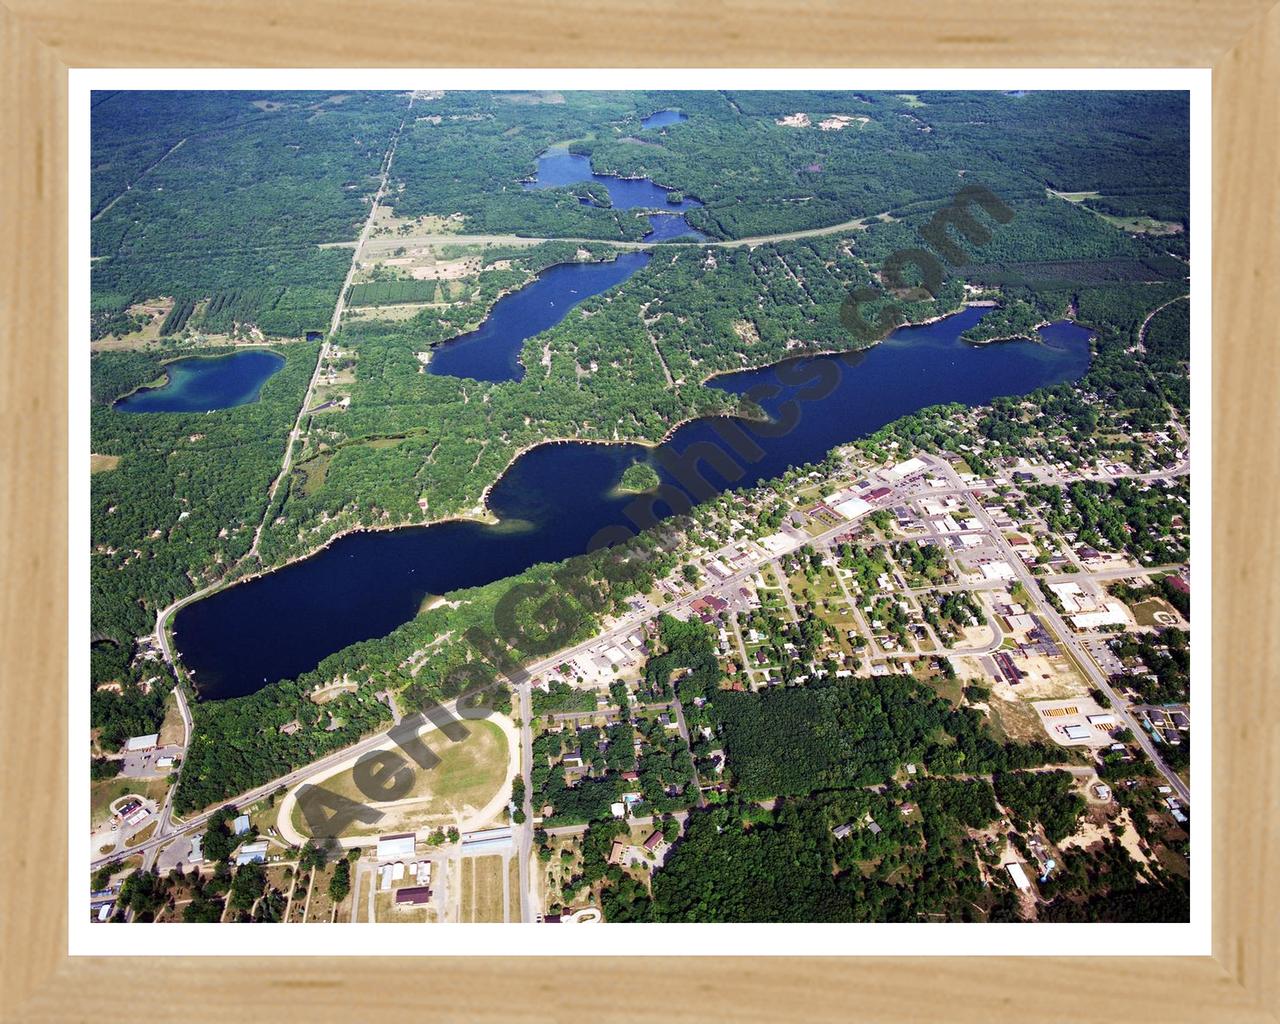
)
(599, 374)
(832, 734)
(222, 200)
(755, 176)
(190, 488)
(251, 183)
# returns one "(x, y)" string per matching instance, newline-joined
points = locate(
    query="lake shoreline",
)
(167, 380)
(481, 513)
(566, 497)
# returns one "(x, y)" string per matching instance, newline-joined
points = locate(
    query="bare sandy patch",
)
(838, 122)
(797, 120)
(1047, 678)
(446, 270)
(103, 463)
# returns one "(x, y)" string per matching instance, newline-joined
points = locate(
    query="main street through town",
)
(1064, 632)
(169, 831)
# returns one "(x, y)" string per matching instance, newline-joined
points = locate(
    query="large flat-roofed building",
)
(905, 469)
(396, 847)
(1019, 876)
(1112, 615)
(137, 743)
(852, 508)
(487, 839)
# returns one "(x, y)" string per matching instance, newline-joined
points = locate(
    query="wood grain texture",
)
(40, 38)
(658, 33)
(1246, 544)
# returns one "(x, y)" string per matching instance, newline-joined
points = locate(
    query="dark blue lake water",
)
(662, 118)
(203, 384)
(557, 498)
(558, 167)
(492, 351)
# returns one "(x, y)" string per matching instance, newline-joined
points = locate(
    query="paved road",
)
(161, 636)
(296, 433)
(1110, 574)
(377, 246)
(629, 623)
(289, 780)
(529, 904)
(1065, 634)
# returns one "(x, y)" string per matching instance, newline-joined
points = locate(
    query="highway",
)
(1066, 635)
(167, 831)
(296, 433)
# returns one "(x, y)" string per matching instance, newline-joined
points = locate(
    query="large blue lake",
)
(557, 167)
(492, 351)
(557, 498)
(202, 384)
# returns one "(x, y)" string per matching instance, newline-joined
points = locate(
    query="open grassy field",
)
(106, 791)
(469, 775)
(1145, 612)
(141, 836)
(171, 731)
(482, 890)
(361, 891)
(103, 463)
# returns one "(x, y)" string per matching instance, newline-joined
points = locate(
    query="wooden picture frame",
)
(41, 39)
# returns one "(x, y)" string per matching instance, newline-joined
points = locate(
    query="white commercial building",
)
(852, 508)
(1019, 876)
(1112, 615)
(252, 853)
(136, 743)
(905, 469)
(395, 847)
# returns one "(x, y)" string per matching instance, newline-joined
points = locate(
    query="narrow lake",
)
(203, 384)
(557, 167)
(492, 351)
(556, 498)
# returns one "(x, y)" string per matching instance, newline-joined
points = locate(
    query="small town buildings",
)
(396, 847)
(413, 896)
(252, 853)
(240, 826)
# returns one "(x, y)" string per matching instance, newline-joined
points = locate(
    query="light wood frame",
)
(41, 39)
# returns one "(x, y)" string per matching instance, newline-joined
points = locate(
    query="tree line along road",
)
(629, 623)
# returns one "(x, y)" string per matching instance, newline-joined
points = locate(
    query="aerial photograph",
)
(593, 507)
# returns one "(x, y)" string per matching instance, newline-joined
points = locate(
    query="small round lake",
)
(206, 383)
(662, 118)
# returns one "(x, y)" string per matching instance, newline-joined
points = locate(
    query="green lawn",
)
(468, 774)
